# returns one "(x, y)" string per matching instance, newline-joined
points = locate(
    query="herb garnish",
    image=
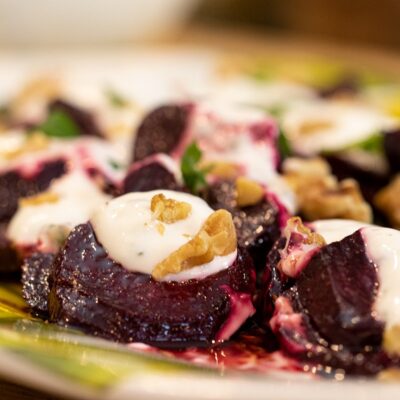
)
(59, 124)
(115, 98)
(194, 176)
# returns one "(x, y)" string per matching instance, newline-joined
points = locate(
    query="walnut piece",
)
(301, 244)
(217, 237)
(320, 195)
(312, 127)
(391, 340)
(387, 200)
(38, 90)
(36, 141)
(248, 192)
(223, 169)
(39, 199)
(169, 210)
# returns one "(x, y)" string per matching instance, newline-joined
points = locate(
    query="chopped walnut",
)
(36, 141)
(301, 244)
(223, 169)
(387, 200)
(37, 91)
(391, 340)
(313, 126)
(248, 192)
(160, 228)
(41, 198)
(217, 237)
(320, 195)
(169, 210)
(390, 375)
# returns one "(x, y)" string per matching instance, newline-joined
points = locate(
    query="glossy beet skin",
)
(151, 176)
(161, 131)
(35, 281)
(91, 291)
(327, 318)
(257, 226)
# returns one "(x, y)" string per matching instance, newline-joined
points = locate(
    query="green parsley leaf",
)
(284, 145)
(115, 164)
(372, 144)
(193, 176)
(115, 98)
(59, 124)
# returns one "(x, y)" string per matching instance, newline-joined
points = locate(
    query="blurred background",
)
(358, 22)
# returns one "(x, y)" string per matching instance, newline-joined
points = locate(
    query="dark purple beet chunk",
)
(8, 257)
(348, 85)
(91, 291)
(337, 290)
(82, 118)
(13, 186)
(257, 226)
(391, 145)
(305, 343)
(331, 324)
(370, 182)
(152, 176)
(161, 131)
(35, 281)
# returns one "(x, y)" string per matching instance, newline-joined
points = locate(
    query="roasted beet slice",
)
(348, 85)
(35, 281)
(299, 339)
(91, 291)
(161, 131)
(391, 144)
(151, 175)
(82, 118)
(325, 315)
(337, 290)
(257, 226)
(8, 257)
(14, 185)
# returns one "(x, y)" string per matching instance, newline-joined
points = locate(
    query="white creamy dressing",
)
(224, 133)
(345, 124)
(109, 157)
(245, 91)
(383, 249)
(15, 141)
(129, 232)
(216, 265)
(78, 197)
(114, 121)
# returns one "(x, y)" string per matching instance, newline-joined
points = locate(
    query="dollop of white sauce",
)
(218, 264)
(78, 197)
(127, 229)
(347, 124)
(333, 230)
(383, 249)
(224, 133)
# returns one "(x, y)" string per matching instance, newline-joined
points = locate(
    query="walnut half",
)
(320, 195)
(169, 210)
(387, 200)
(217, 237)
